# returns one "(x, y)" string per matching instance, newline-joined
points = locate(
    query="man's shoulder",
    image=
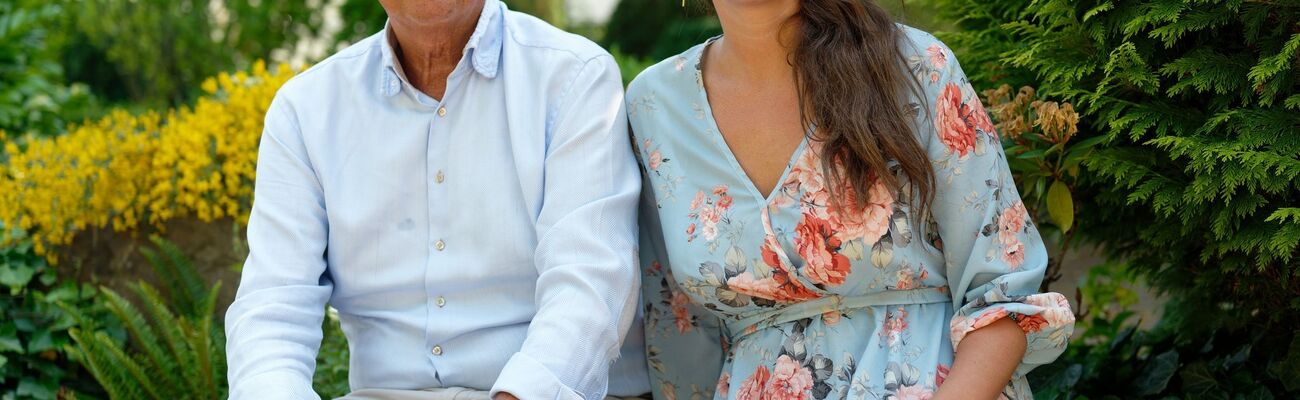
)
(333, 72)
(532, 35)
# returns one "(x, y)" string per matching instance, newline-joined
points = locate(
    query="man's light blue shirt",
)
(485, 240)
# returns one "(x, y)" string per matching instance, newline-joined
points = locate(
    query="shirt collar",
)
(483, 49)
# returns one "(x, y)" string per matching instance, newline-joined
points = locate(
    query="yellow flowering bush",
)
(126, 170)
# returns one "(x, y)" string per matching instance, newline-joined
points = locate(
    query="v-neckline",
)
(721, 141)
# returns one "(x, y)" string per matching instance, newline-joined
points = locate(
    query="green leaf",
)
(9, 341)
(31, 388)
(1287, 369)
(1197, 379)
(40, 341)
(1060, 206)
(16, 276)
(1155, 376)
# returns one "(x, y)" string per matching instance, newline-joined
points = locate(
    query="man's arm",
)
(587, 282)
(273, 327)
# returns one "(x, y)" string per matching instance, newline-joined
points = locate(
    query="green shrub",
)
(175, 348)
(174, 352)
(34, 343)
(331, 378)
(156, 52)
(1195, 185)
(33, 96)
(658, 29)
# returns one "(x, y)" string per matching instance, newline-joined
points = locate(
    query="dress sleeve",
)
(684, 345)
(685, 348)
(995, 258)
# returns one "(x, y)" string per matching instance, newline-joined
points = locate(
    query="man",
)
(461, 187)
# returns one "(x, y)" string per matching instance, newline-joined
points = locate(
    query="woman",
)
(829, 214)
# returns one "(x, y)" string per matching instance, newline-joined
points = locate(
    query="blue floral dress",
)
(786, 296)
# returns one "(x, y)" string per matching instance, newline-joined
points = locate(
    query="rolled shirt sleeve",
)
(995, 257)
(273, 327)
(585, 258)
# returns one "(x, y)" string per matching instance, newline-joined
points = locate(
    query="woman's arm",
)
(984, 362)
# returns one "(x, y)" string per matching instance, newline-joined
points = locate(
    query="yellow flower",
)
(124, 170)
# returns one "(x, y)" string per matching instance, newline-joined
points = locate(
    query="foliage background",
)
(1170, 129)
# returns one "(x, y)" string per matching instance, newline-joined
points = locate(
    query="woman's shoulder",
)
(917, 42)
(672, 75)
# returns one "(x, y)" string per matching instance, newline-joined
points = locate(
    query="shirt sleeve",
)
(995, 258)
(273, 328)
(684, 345)
(586, 232)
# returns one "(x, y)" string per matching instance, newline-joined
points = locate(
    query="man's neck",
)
(429, 50)
(758, 41)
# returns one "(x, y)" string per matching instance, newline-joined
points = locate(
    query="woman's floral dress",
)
(785, 296)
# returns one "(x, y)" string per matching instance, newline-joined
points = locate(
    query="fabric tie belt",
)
(747, 324)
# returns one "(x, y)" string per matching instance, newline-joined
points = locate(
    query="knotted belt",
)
(745, 325)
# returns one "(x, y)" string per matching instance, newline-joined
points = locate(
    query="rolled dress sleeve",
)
(995, 258)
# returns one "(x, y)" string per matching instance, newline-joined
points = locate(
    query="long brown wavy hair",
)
(852, 82)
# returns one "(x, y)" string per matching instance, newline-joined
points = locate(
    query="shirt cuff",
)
(273, 385)
(528, 379)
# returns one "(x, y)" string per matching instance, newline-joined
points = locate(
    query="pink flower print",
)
(1014, 254)
(868, 222)
(697, 201)
(915, 392)
(720, 190)
(690, 232)
(980, 118)
(752, 387)
(1011, 222)
(681, 316)
(724, 385)
(766, 288)
(790, 381)
(1032, 323)
(989, 317)
(807, 171)
(1056, 308)
(951, 119)
(830, 318)
(669, 391)
(787, 289)
(905, 280)
(958, 328)
(709, 218)
(895, 325)
(724, 202)
(769, 251)
(940, 375)
(656, 159)
(819, 247)
(938, 57)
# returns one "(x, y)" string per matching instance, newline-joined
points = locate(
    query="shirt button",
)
(440, 301)
(442, 111)
(437, 350)
(439, 245)
(438, 177)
